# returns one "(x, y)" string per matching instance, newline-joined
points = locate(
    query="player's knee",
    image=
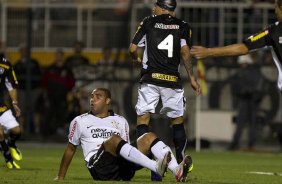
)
(178, 120)
(111, 144)
(15, 131)
(143, 119)
(145, 141)
(148, 137)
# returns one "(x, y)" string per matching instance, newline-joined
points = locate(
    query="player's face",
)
(99, 102)
(278, 10)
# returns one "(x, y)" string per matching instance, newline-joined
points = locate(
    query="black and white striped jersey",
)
(270, 37)
(163, 36)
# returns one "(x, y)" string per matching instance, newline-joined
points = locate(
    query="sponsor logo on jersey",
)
(280, 39)
(259, 36)
(163, 26)
(89, 126)
(72, 130)
(165, 77)
(102, 133)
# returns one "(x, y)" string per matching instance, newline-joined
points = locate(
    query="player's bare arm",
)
(66, 160)
(200, 52)
(13, 95)
(187, 61)
(133, 52)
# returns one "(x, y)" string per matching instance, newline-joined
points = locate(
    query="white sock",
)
(159, 150)
(132, 154)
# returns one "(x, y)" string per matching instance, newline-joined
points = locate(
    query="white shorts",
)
(173, 100)
(8, 121)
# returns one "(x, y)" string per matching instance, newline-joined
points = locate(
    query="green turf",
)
(40, 165)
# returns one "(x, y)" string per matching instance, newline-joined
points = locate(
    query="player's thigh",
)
(105, 166)
(173, 101)
(148, 98)
(8, 120)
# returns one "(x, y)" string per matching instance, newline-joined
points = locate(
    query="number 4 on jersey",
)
(167, 44)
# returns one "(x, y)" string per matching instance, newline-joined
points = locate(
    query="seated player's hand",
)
(58, 178)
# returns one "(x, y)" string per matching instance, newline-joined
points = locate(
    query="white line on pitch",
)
(266, 173)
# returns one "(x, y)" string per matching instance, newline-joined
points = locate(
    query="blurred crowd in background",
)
(53, 100)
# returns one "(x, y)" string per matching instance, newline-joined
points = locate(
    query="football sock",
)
(179, 140)
(13, 139)
(159, 149)
(5, 151)
(132, 154)
(141, 129)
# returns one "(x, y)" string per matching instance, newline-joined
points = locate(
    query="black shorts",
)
(105, 166)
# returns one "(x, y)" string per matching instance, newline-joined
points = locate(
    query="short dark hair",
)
(106, 91)
(169, 5)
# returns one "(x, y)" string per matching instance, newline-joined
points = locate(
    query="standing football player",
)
(104, 137)
(167, 39)
(8, 122)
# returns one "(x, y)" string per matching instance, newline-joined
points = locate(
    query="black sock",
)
(141, 129)
(179, 140)
(13, 139)
(5, 151)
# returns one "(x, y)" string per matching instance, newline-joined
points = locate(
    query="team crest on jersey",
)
(114, 124)
(280, 39)
(1, 70)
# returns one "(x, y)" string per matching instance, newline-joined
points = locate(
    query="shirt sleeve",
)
(259, 40)
(186, 35)
(74, 133)
(141, 31)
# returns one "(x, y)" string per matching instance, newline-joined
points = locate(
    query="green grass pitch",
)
(41, 162)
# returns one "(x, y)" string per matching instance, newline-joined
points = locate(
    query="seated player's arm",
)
(66, 160)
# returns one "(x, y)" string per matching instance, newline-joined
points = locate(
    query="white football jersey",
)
(90, 131)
